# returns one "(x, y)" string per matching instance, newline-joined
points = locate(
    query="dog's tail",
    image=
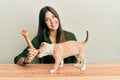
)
(86, 40)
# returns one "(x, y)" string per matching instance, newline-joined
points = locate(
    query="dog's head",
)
(45, 49)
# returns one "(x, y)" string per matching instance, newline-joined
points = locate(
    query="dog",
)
(63, 50)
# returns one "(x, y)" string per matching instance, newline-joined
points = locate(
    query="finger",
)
(28, 59)
(30, 49)
(31, 57)
(32, 53)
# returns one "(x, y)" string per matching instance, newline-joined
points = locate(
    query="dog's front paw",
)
(83, 68)
(52, 71)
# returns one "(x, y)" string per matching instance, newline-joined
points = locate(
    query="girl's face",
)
(51, 21)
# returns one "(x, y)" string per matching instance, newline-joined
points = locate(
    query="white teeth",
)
(53, 25)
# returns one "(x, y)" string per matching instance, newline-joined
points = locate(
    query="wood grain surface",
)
(110, 71)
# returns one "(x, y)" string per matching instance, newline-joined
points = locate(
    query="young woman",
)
(49, 30)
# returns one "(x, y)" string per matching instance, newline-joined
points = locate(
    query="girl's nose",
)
(52, 21)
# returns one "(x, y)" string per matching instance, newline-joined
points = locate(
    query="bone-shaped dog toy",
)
(26, 36)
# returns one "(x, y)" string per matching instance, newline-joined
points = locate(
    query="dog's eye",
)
(42, 44)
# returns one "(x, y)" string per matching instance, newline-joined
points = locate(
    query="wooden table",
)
(68, 72)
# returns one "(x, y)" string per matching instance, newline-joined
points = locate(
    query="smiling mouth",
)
(53, 25)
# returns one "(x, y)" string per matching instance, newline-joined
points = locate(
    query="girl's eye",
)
(46, 20)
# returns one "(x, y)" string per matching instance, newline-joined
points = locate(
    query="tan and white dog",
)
(63, 50)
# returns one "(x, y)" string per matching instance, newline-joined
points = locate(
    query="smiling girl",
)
(49, 30)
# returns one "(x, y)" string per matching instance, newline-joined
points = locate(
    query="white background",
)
(100, 17)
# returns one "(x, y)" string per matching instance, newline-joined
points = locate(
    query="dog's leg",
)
(56, 65)
(83, 65)
(83, 60)
(61, 63)
(78, 60)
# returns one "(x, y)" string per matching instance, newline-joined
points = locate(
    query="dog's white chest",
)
(49, 49)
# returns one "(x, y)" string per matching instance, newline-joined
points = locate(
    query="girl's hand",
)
(31, 54)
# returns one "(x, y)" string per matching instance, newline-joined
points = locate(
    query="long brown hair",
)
(43, 31)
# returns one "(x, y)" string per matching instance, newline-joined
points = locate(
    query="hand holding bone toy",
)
(26, 36)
